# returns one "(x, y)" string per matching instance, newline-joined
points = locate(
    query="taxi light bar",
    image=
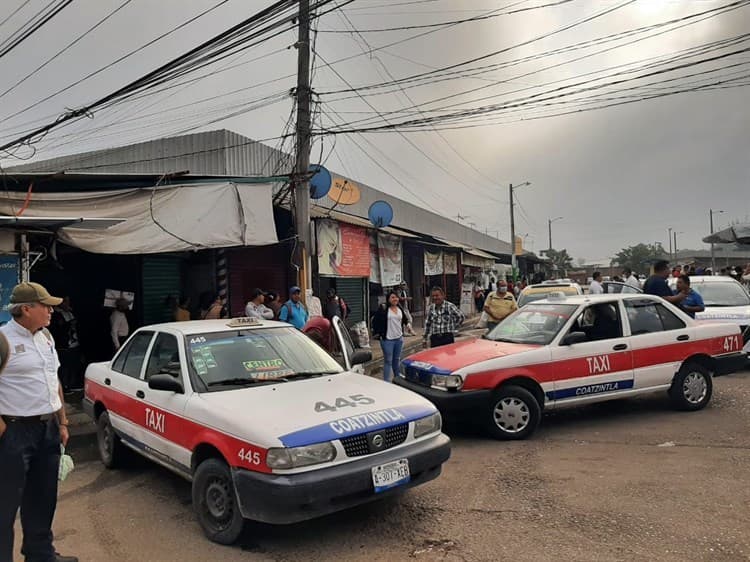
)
(243, 321)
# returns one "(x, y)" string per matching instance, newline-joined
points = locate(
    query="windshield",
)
(533, 324)
(526, 298)
(722, 294)
(247, 357)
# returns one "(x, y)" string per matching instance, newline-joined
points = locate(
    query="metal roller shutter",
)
(353, 291)
(162, 278)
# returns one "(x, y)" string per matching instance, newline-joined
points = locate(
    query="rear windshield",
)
(254, 356)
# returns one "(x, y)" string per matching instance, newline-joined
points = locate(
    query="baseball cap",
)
(32, 292)
(295, 289)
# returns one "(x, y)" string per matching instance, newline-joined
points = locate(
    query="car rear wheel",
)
(215, 502)
(513, 414)
(111, 450)
(692, 387)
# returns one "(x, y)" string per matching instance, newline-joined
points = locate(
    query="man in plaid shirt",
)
(443, 319)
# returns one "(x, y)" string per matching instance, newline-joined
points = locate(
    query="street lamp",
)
(511, 187)
(549, 226)
(711, 213)
(669, 238)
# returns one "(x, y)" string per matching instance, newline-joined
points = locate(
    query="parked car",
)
(262, 420)
(568, 351)
(532, 293)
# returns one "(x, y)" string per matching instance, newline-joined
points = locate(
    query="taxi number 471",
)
(732, 343)
(351, 401)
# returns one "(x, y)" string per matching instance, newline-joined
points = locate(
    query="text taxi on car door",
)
(565, 351)
(265, 423)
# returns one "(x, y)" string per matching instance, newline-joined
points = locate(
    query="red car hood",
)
(452, 357)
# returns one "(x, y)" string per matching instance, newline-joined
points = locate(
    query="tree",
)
(560, 260)
(640, 257)
(581, 262)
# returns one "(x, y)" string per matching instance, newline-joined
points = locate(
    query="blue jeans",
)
(391, 357)
(29, 457)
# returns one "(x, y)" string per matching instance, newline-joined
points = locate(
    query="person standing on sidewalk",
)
(388, 324)
(33, 426)
(443, 319)
(64, 328)
(499, 304)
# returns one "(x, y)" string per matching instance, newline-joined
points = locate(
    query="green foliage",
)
(640, 257)
(561, 260)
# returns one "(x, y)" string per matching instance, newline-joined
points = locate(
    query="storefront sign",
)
(450, 263)
(374, 259)
(9, 269)
(433, 263)
(343, 250)
(390, 259)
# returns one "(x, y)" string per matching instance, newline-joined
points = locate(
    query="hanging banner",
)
(433, 263)
(390, 259)
(343, 250)
(9, 270)
(374, 259)
(450, 263)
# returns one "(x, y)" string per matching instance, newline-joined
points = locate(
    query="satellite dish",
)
(320, 182)
(380, 214)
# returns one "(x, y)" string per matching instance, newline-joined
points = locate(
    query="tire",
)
(513, 413)
(215, 502)
(691, 388)
(111, 450)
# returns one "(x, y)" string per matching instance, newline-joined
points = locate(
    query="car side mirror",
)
(167, 383)
(360, 357)
(574, 338)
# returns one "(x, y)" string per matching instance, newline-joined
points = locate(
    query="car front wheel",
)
(692, 387)
(513, 414)
(215, 502)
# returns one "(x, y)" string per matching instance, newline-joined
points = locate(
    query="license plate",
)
(389, 475)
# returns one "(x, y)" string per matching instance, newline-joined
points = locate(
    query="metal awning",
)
(737, 234)
(480, 254)
(54, 223)
(322, 212)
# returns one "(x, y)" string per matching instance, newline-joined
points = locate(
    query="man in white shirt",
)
(630, 279)
(32, 427)
(256, 309)
(596, 288)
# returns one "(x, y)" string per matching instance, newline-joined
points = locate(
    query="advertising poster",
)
(450, 263)
(343, 250)
(433, 263)
(9, 277)
(374, 259)
(111, 296)
(390, 259)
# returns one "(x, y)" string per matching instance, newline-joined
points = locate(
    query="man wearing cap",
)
(34, 424)
(293, 311)
(256, 309)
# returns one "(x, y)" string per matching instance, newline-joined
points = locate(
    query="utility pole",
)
(301, 179)
(511, 187)
(711, 223)
(670, 243)
(675, 245)
(549, 225)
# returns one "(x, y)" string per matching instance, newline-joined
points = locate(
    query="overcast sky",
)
(616, 176)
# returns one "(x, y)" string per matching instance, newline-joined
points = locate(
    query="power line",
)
(33, 26)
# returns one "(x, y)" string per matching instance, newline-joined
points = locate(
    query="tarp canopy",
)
(164, 219)
(737, 234)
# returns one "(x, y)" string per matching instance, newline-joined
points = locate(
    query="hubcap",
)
(694, 388)
(511, 414)
(218, 500)
(106, 440)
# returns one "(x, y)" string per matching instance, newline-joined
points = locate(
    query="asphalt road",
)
(629, 480)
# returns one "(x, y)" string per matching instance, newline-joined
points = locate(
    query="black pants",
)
(436, 340)
(29, 462)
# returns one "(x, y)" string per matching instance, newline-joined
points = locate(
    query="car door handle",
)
(140, 394)
(107, 382)
(683, 337)
(620, 346)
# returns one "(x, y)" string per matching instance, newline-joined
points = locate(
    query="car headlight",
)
(430, 424)
(449, 382)
(295, 457)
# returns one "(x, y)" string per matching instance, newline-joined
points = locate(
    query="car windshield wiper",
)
(242, 381)
(505, 340)
(310, 374)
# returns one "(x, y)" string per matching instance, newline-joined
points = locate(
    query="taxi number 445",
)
(249, 456)
(351, 401)
(732, 343)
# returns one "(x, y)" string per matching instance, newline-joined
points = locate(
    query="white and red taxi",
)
(263, 421)
(565, 351)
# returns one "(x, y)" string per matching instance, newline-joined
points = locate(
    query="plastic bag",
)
(483, 318)
(66, 464)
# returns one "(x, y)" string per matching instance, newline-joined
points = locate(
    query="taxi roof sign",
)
(244, 321)
(556, 296)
